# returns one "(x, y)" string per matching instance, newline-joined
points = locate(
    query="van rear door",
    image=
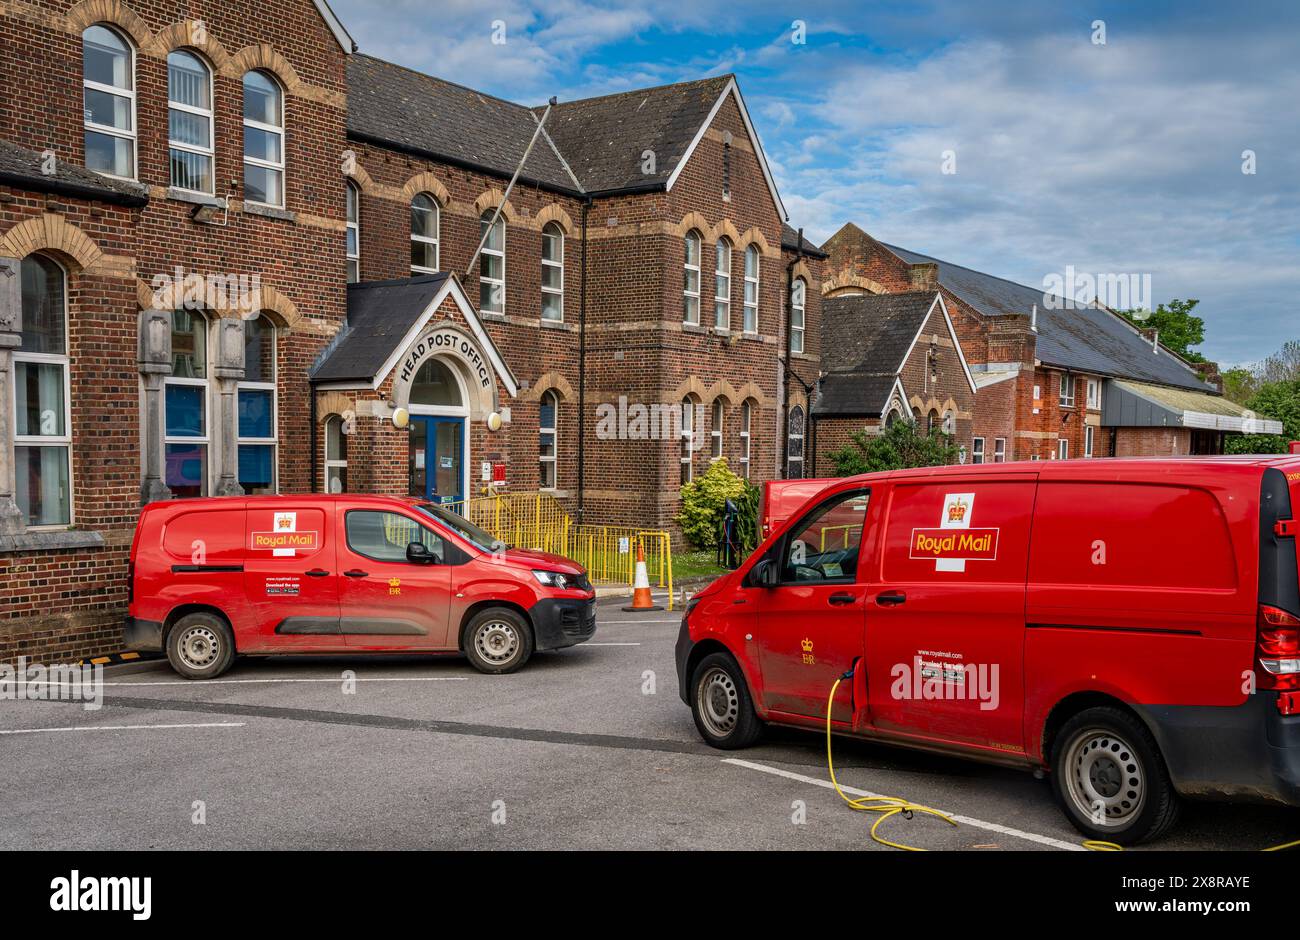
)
(290, 577)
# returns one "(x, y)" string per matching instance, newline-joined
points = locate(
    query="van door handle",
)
(842, 598)
(356, 573)
(891, 598)
(316, 573)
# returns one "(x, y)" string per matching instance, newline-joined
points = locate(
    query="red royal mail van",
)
(1131, 626)
(210, 578)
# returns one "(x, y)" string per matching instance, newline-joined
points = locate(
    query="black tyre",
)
(1109, 777)
(497, 641)
(201, 646)
(721, 705)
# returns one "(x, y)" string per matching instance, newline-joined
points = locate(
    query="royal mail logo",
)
(279, 541)
(954, 542)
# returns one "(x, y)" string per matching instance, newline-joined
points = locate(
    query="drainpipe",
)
(582, 366)
(311, 434)
(784, 429)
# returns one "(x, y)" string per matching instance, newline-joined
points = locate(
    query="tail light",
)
(1277, 649)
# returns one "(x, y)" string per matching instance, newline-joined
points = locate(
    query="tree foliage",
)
(1179, 329)
(1277, 400)
(898, 446)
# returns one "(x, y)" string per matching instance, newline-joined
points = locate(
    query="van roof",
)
(1127, 468)
(297, 498)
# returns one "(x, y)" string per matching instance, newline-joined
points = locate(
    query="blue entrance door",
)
(437, 458)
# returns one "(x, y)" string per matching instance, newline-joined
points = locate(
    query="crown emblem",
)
(957, 511)
(283, 523)
(807, 645)
(394, 582)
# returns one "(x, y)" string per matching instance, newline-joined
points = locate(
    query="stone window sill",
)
(270, 212)
(42, 540)
(198, 199)
(558, 325)
(694, 328)
(492, 317)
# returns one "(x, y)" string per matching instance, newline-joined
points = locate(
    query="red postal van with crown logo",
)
(1130, 626)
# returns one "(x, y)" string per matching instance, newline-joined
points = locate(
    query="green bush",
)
(899, 446)
(703, 501)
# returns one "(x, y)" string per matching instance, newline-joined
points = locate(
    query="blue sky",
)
(1115, 158)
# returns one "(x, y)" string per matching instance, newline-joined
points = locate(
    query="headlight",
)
(556, 579)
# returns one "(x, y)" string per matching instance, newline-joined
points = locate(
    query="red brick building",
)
(184, 206)
(1055, 380)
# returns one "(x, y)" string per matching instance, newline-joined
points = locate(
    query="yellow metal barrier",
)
(538, 521)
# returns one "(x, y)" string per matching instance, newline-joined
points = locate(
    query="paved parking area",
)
(585, 748)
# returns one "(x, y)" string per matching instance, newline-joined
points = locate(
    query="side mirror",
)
(765, 574)
(419, 553)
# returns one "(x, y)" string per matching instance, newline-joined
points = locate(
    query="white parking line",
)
(610, 644)
(202, 682)
(963, 820)
(634, 620)
(212, 724)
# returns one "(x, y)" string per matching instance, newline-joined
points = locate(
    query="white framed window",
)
(548, 424)
(1088, 438)
(688, 439)
(1000, 450)
(691, 279)
(752, 261)
(553, 272)
(492, 264)
(949, 423)
(746, 419)
(263, 140)
(794, 445)
(1063, 449)
(425, 218)
(977, 450)
(185, 407)
(336, 455)
(715, 429)
(41, 395)
(354, 233)
(189, 122)
(798, 297)
(722, 285)
(1067, 391)
(1094, 393)
(257, 409)
(108, 101)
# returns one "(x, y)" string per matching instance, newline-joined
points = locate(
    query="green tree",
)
(1179, 330)
(1239, 384)
(898, 446)
(1277, 400)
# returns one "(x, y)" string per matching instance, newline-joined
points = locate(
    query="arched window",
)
(715, 430)
(42, 407)
(108, 102)
(798, 296)
(949, 423)
(552, 272)
(931, 422)
(547, 423)
(794, 443)
(189, 119)
(263, 140)
(688, 439)
(722, 285)
(336, 455)
(751, 289)
(185, 406)
(354, 233)
(435, 385)
(257, 408)
(424, 234)
(691, 279)
(746, 418)
(492, 264)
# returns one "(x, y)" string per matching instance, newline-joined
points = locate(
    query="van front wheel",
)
(497, 641)
(201, 646)
(721, 705)
(1110, 779)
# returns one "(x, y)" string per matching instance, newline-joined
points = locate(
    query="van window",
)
(384, 536)
(206, 537)
(959, 531)
(823, 546)
(1131, 535)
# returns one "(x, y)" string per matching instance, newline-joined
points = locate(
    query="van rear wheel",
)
(201, 646)
(721, 704)
(1109, 777)
(497, 641)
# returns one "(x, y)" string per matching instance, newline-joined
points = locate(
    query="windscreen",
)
(463, 527)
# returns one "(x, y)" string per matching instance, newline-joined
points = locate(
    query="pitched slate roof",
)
(865, 338)
(603, 139)
(1088, 339)
(22, 168)
(380, 314)
(409, 110)
(790, 242)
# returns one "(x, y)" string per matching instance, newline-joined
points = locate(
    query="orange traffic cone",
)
(641, 599)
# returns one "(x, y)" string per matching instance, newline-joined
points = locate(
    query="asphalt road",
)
(584, 748)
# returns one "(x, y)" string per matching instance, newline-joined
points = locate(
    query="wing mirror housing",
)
(765, 574)
(419, 553)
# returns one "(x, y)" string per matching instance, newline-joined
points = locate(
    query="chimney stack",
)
(924, 275)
